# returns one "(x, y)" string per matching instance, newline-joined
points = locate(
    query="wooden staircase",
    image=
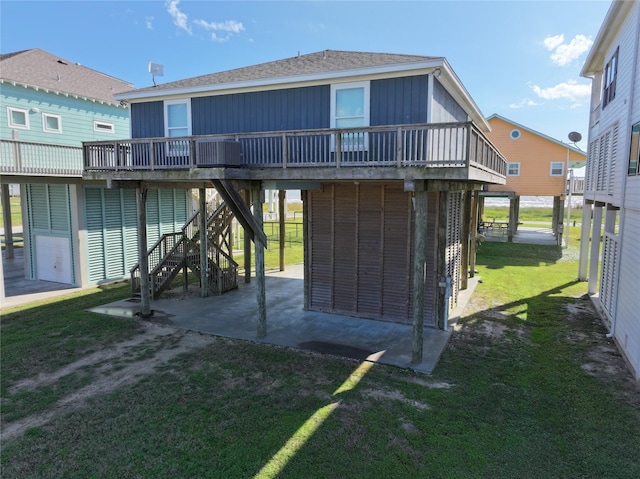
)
(175, 252)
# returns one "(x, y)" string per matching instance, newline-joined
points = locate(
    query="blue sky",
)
(518, 59)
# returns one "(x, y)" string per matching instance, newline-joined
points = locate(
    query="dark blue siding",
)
(147, 120)
(397, 101)
(291, 109)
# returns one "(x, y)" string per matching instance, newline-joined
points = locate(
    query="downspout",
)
(612, 329)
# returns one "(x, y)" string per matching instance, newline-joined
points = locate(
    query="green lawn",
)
(520, 392)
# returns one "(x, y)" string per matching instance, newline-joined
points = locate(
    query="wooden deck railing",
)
(39, 159)
(429, 145)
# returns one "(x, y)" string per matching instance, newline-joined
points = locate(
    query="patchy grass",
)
(528, 387)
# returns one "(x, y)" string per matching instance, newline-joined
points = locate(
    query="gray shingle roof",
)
(41, 69)
(325, 61)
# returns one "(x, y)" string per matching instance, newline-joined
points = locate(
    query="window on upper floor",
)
(350, 109)
(177, 118)
(557, 168)
(513, 169)
(18, 118)
(634, 154)
(103, 126)
(609, 79)
(51, 123)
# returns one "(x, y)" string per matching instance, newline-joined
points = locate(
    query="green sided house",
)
(76, 232)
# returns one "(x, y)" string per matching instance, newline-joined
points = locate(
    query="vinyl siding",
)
(444, 108)
(535, 155)
(77, 117)
(627, 320)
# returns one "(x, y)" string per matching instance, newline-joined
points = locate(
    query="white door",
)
(53, 259)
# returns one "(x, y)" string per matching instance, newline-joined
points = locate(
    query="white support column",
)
(584, 241)
(594, 259)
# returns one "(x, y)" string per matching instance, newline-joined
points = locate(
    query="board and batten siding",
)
(444, 108)
(111, 221)
(360, 251)
(627, 330)
(396, 101)
(77, 117)
(147, 119)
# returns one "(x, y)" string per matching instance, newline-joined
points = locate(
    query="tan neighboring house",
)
(537, 165)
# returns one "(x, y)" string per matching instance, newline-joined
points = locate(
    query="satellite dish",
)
(156, 70)
(575, 137)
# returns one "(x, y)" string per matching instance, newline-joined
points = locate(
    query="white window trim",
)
(513, 163)
(366, 85)
(44, 123)
(11, 109)
(111, 128)
(561, 163)
(166, 114)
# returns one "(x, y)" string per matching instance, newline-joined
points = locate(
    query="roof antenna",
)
(156, 70)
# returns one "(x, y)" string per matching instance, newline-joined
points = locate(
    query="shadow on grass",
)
(499, 255)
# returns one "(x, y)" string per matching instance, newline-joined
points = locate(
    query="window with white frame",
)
(103, 126)
(350, 109)
(177, 121)
(18, 118)
(634, 153)
(513, 169)
(51, 123)
(609, 79)
(557, 168)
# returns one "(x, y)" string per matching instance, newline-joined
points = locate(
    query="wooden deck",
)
(452, 151)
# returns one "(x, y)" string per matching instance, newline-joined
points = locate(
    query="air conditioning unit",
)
(218, 153)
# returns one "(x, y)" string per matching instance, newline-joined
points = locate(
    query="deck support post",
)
(594, 260)
(474, 233)
(204, 247)
(8, 229)
(442, 304)
(513, 219)
(257, 193)
(420, 196)
(143, 259)
(247, 243)
(584, 241)
(465, 235)
(282, 217)
(304, 196)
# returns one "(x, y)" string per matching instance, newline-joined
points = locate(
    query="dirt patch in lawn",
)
(125, 364)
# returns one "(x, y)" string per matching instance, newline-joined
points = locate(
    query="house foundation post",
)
(143, 259)
(517, 200)
(584, 241)
(420, 197)
(8, 229)
(513, 219)
(304, 195)
(282, 217)
(204, 247)
(464, 234)
(474, 233)
(258, 200)
(442, 304)
(594, 259)
(554, 215)
(247, 244)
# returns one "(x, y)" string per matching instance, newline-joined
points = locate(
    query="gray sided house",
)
(388, 151)
(76, 232)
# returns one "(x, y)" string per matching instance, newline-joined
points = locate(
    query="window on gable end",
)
(557, 168)
(610, 78)
(513, 169)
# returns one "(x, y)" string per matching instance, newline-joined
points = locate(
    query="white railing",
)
(26, 158)
(430, 145)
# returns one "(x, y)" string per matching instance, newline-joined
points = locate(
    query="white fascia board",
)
(265, 82)
(60, 92)
(611, 25)
(456, 89)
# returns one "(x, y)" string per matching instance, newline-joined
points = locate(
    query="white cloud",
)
(569, 90)
(149, 23)
(180, 18)
(551, 43)
(524, 102)
(565, 53)
(226, 26)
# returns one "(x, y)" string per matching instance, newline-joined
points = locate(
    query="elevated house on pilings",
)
(389, 152)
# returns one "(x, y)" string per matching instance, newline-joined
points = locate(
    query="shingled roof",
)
(37, 68)
(326, 61)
